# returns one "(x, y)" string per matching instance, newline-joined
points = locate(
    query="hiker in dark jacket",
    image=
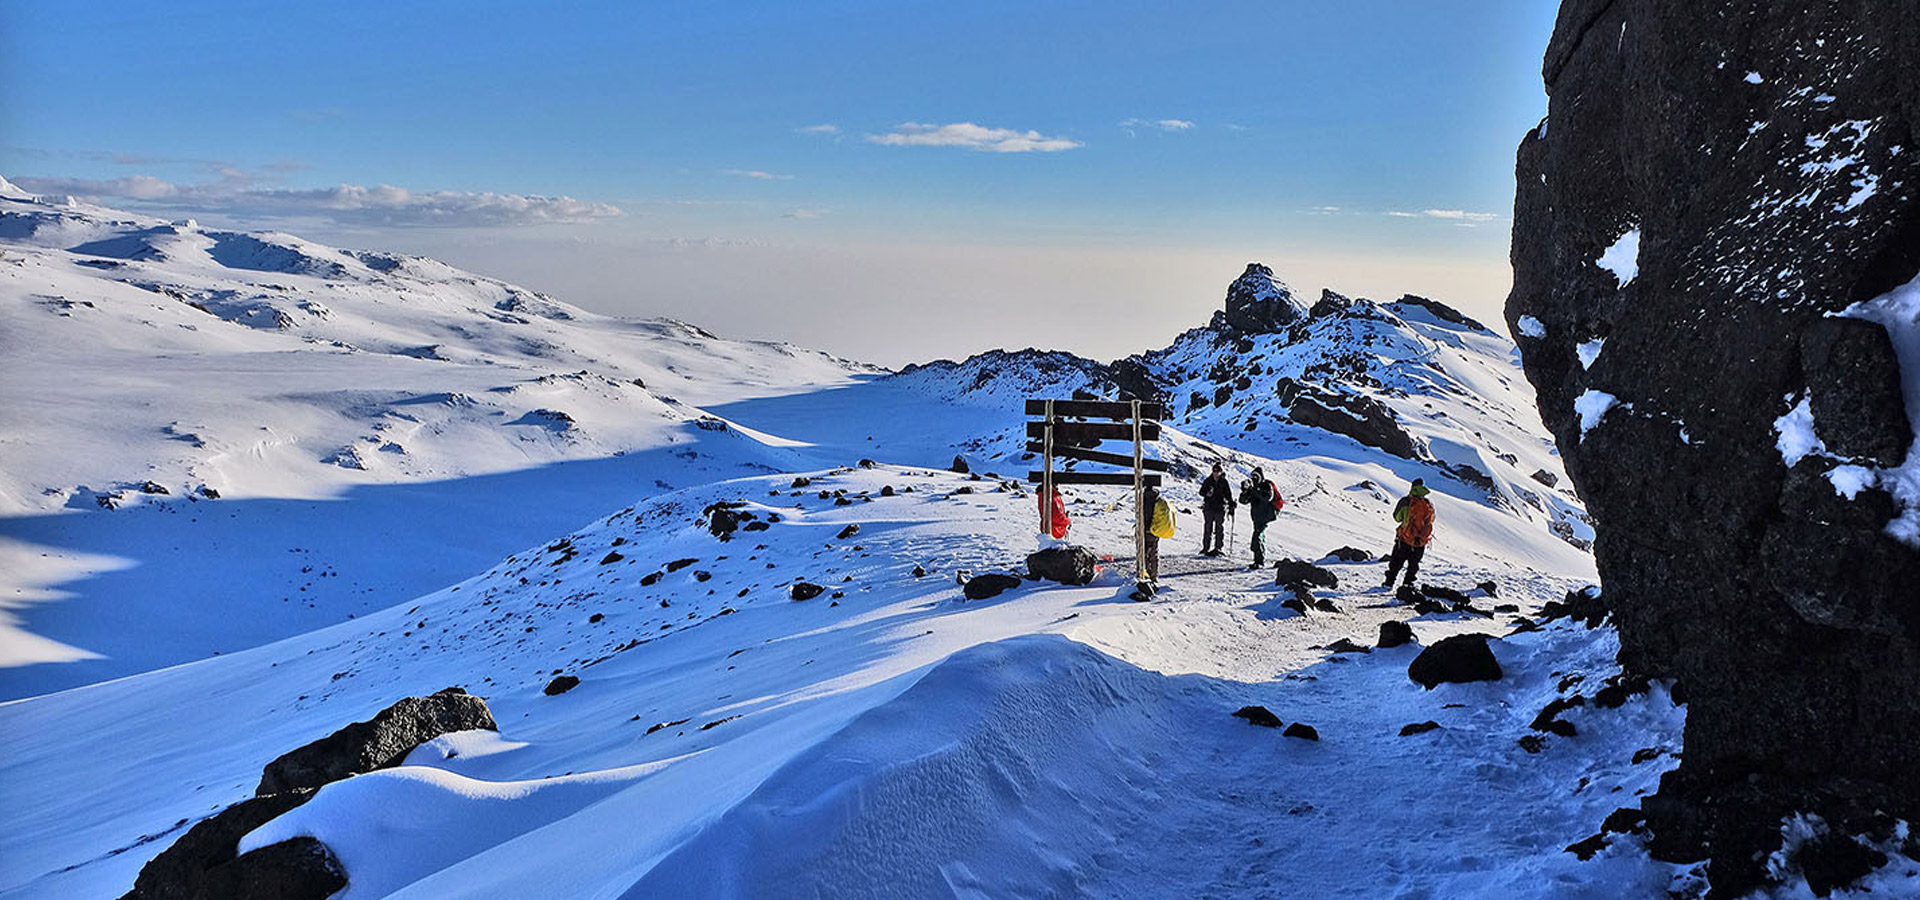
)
(1414, 512)
(1216, 504)
(1263, 506)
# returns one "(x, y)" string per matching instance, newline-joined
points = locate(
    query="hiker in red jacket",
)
(1414, 512)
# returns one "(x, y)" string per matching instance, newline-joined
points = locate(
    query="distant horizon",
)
(891, 183)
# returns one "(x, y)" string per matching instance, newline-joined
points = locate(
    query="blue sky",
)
(833, 173)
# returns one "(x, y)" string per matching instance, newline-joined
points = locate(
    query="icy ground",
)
(884, 739)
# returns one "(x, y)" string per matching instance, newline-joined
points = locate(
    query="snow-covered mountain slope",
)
(886, 738)
(145, 361)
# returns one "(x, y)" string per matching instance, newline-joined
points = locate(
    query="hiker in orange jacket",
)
(1414, 512)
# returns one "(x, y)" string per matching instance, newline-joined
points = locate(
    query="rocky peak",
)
(1713, 220)
(1259, 303)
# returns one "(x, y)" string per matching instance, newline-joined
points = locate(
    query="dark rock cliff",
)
(1711, 186)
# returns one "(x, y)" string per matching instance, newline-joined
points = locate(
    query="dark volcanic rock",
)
(300, 868)
(1331, 303)
(1350, 554)
(560, 685)
(960, 466)
(1299, 571)
(1461, 658)
(377, 743)
(1394, 633)
(1259, 715)
(1440, 311)
(980, 587)
(1258, 303)
(805, 590)
(1067, 565)
(1419, 728)
(1302, 731)
(185, 870)
(849, 531)
(1762, 158)
(1355, 415)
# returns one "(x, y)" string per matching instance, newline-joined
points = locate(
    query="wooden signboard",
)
(1054, 435)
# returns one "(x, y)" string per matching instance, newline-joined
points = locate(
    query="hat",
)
(1418, 489)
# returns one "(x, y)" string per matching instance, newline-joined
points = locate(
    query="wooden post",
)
(1046, 480)
(1140, 513)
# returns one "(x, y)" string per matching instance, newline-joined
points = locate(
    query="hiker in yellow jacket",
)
(1159, 516)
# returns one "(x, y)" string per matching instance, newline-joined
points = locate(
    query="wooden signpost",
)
(1056, 434)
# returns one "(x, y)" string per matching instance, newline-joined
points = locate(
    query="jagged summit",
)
(1257, 302)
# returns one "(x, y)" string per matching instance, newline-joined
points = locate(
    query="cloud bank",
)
(1454, 215)
(347, 203)
(1161, 124)
(972, 137)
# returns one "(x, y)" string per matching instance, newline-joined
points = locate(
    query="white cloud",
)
(1323, 210)
(1161, 124)
(755, 173)
(819, 129)
(347, 203)
(805, 214)
(972, 137)
(1459, 216)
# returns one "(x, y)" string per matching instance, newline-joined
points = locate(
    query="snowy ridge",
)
(885, 737)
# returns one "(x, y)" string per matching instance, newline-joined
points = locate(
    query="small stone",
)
(849, 531)
(1302, 731)
(805, 590)
(981, 587)
(1394, 633)
(561, 685)
(1419, 728)
(613, 556)
(1457, 659)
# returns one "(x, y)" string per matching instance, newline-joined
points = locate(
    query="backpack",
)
(1161, 525)
(1263, 501)
(1400, 509)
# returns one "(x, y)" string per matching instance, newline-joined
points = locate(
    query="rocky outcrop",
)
(1331, 303)
(1355, 415)
(1439, 311)
(1706, 228)
(377, 743)
(205, 863)
(1258, 303)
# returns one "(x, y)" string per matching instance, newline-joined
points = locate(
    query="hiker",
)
(1414, 512)
(1216, 504)
(1055, 514)
(1263, 506)
(1158, 514)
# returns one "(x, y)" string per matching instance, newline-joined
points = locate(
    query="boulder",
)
(805, 590)
(1394, 633)
(1350, 554)
(1713, 194)
(1302, 731)
(1259, 715)
(1419, 728)
(960, 466)
(849, 531)
(186, 870)
(1299, 571)
(1067, 565)
(378, 743)
(560, 685)
(991, 584)
(1457, 659)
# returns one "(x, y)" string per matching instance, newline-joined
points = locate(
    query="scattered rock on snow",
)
(805, 590)
(1346, 645)
(377, 743)
(561, 685)
(1259, 715)
(960, 466)
(1394, 633)
(849, 531)
(613, 556)
(1067, 565)
(1350, 554)
(1301, 730)
(1291, 571)
(1419, 728)
(1457, 659)
(991, 584)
